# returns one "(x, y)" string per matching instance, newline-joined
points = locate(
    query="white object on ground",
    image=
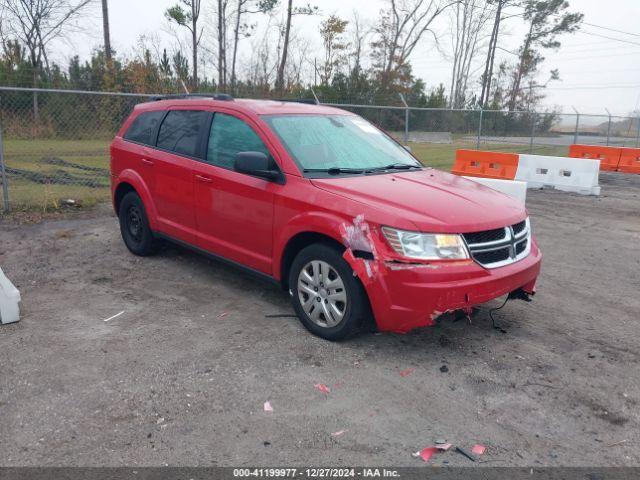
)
(9, 299)
(514, 188)
(114, 316)
(577, 175)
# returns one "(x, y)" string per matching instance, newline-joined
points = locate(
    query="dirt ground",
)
(173, 380)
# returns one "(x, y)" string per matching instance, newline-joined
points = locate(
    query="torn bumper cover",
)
(405, 296)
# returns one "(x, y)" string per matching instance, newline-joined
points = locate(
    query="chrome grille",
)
(501, 246)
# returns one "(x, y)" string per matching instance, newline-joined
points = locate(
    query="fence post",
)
(533, 132)
(575, 135)
(608, 126)
(638, 132)
(479, 130)
(406, 118)
(3, 174)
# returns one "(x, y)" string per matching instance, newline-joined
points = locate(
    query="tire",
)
(328, 299)
(134, 226)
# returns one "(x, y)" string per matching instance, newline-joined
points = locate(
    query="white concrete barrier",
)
(577, 175)
(9, 299)
(514, 188)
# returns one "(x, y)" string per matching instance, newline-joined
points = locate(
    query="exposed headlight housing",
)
(426, 246)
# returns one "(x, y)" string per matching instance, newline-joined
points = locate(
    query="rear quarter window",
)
(143, 127)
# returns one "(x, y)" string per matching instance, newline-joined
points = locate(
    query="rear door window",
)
(180, 131)
(228, 136)
(143, 127)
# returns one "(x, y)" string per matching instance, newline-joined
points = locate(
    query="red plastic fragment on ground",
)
(478, 449)
(427, 453)
(406, 372)
(323, 388)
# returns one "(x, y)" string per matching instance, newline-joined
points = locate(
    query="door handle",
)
(200, 178)
(147, 162)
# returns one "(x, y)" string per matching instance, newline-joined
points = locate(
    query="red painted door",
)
(234, 211)
(177, 150)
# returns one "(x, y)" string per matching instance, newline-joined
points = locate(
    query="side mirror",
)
(407, 148)
(256, 164)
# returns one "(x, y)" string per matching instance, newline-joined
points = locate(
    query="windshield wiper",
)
(395, 166)
(334, 170)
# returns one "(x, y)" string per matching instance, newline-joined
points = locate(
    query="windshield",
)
(338, 144)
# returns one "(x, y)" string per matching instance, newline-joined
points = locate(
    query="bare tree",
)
(286, 36)
(188, 17)
(469, 19)
(359, 33)
(402, 25)
(244, 7)
(106, 32)
(35, 24)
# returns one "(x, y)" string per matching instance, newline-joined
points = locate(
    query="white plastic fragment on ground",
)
(114, 316)
(338, 433)
(9, 300)
(268, 407)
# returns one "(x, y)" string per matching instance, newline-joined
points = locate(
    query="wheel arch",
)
(130, 181)
(296, 244)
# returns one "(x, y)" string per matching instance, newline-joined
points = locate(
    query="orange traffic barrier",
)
(474, 163)
(609, 156)
(629, 160)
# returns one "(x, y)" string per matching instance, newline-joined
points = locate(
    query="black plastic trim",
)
(251, 271)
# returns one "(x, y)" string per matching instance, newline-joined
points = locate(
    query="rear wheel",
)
(134, 226)
(328, 299)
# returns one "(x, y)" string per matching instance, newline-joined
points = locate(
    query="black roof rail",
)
(310, 101)
(216, 96)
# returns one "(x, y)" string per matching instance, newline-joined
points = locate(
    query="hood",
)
(432, 200)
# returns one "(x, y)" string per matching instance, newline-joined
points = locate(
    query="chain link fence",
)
(54, 144)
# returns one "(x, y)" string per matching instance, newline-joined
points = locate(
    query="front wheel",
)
(327, 297)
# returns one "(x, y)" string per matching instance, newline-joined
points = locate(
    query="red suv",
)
(322, 202)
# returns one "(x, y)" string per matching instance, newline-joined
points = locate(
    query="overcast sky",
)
(596, 72)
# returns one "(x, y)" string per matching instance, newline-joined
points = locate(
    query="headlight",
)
(426, 246)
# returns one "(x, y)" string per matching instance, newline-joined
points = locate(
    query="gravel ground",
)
(180, 378)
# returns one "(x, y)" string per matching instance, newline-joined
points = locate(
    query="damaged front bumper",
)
(405, 296)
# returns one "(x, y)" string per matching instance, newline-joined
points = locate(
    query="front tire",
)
(328, 299)
(134, 226)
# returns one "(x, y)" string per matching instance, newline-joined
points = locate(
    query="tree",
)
(222, 43)
(491, 52)
(358, 38)
(401, 27)
(469, 20)
(180, 65)
(188, 18)
(165, 65)
(286, 37)
(332, 31)
(106, 32)
(35, 24)
(547, 19)
(243, 29)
